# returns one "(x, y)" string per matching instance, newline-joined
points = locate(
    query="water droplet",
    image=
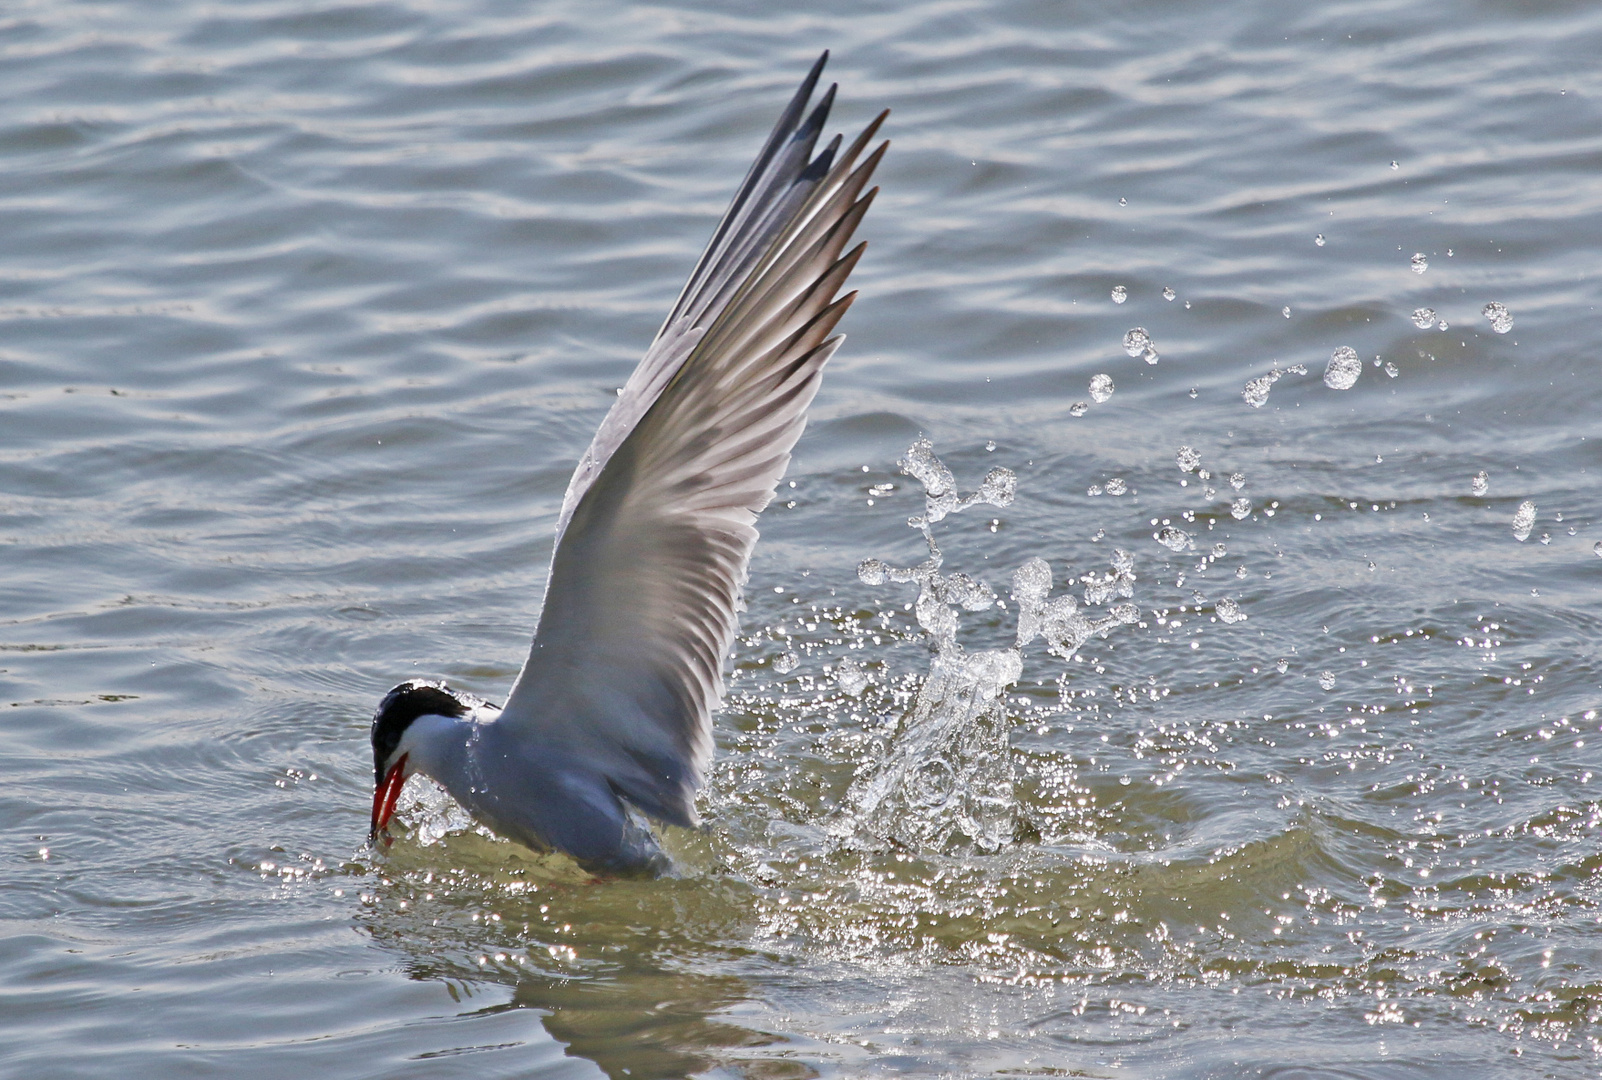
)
(1079, 408)
(990, 445)
(872, 572)
(1187, 305)
(1392, 370)
(1123, 202)
(1193, 393)
(1480, 484)
(851, 678)
(1596, 549)
(1136, 341)
(1240, 509)
(1101, 388)
(1150, 355)
(1256, 392)
(1418, 262)
(1116, 486)
(1501, 318)
(1343, 370)
(786, 662)
(1237, 480)
(1394, 165)
(1282, 665)
(1168, 294)
(1187, 459)
(1093, 490)
(1119, 294)
(1173, 539)
(1285, 311)
(1524, 520)
(1319, 240)
(1240, 572)
(1326, 680)
(1424, 317)
(1229, 611)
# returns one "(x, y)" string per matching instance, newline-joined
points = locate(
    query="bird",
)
(608, 727)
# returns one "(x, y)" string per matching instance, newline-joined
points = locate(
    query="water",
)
(308, 311)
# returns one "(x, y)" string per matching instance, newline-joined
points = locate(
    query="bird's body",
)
(609, 722)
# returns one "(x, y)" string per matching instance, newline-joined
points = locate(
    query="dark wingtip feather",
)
(818, 117)
(818, 168)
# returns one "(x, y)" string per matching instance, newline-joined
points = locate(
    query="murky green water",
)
(307, 310)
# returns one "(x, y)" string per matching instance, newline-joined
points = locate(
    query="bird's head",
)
(391, 751)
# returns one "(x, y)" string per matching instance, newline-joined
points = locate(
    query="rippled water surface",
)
(306, 311)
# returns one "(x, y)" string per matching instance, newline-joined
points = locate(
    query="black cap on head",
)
(402, 705)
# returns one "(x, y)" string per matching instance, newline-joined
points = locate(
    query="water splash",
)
(1343, 370)
(1501, 318)
(1229, 611)
(1137, 342)
(1256, 392)
(945, 781)
(940, 487)
(850, 677)
(1524, 520)
(1187, 459)
(1424, 317)
(1173, 539)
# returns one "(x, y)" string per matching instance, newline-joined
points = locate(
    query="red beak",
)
(385, 797)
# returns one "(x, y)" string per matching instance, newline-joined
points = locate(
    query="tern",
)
(609, 723)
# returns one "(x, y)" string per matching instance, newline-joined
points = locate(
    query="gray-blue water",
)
(307, 310)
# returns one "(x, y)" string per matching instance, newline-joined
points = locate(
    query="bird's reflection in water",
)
(636, 976)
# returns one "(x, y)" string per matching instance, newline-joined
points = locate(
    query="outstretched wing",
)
(659, 520)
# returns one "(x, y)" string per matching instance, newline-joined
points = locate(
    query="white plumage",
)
(611, 714)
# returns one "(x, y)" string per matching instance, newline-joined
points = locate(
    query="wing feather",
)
(658, 524)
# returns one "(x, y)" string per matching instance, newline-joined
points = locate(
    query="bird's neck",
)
(438, 746)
